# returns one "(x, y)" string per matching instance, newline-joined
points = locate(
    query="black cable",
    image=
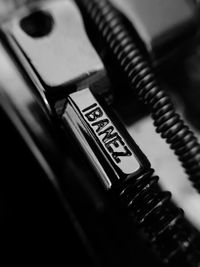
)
(137, 190)
(141, 78)
(174, 239)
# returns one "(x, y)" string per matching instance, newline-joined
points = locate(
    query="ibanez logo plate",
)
(100, 137)
(106, 132)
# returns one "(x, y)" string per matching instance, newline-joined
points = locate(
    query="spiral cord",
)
(141, 78)
(173, 238)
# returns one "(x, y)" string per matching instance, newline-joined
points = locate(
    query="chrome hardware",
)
(59, 55)
(26, 113)
(110, 149)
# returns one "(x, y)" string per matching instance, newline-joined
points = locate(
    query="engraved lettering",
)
(94, 114)
(108, 134)
(90, 107)
(100, 124)
(117, 141)
(125, 153)
(106, 144)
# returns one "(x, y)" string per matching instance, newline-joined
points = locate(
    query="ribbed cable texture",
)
(142, 80)
(173, 237)
(176, 242)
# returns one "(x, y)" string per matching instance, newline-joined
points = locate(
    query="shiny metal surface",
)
(63, 60)
(26, 113)
(112, 152)
(36, 131)
(61, 57)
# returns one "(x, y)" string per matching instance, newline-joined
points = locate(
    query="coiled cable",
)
(176, 242)
(141, 78)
